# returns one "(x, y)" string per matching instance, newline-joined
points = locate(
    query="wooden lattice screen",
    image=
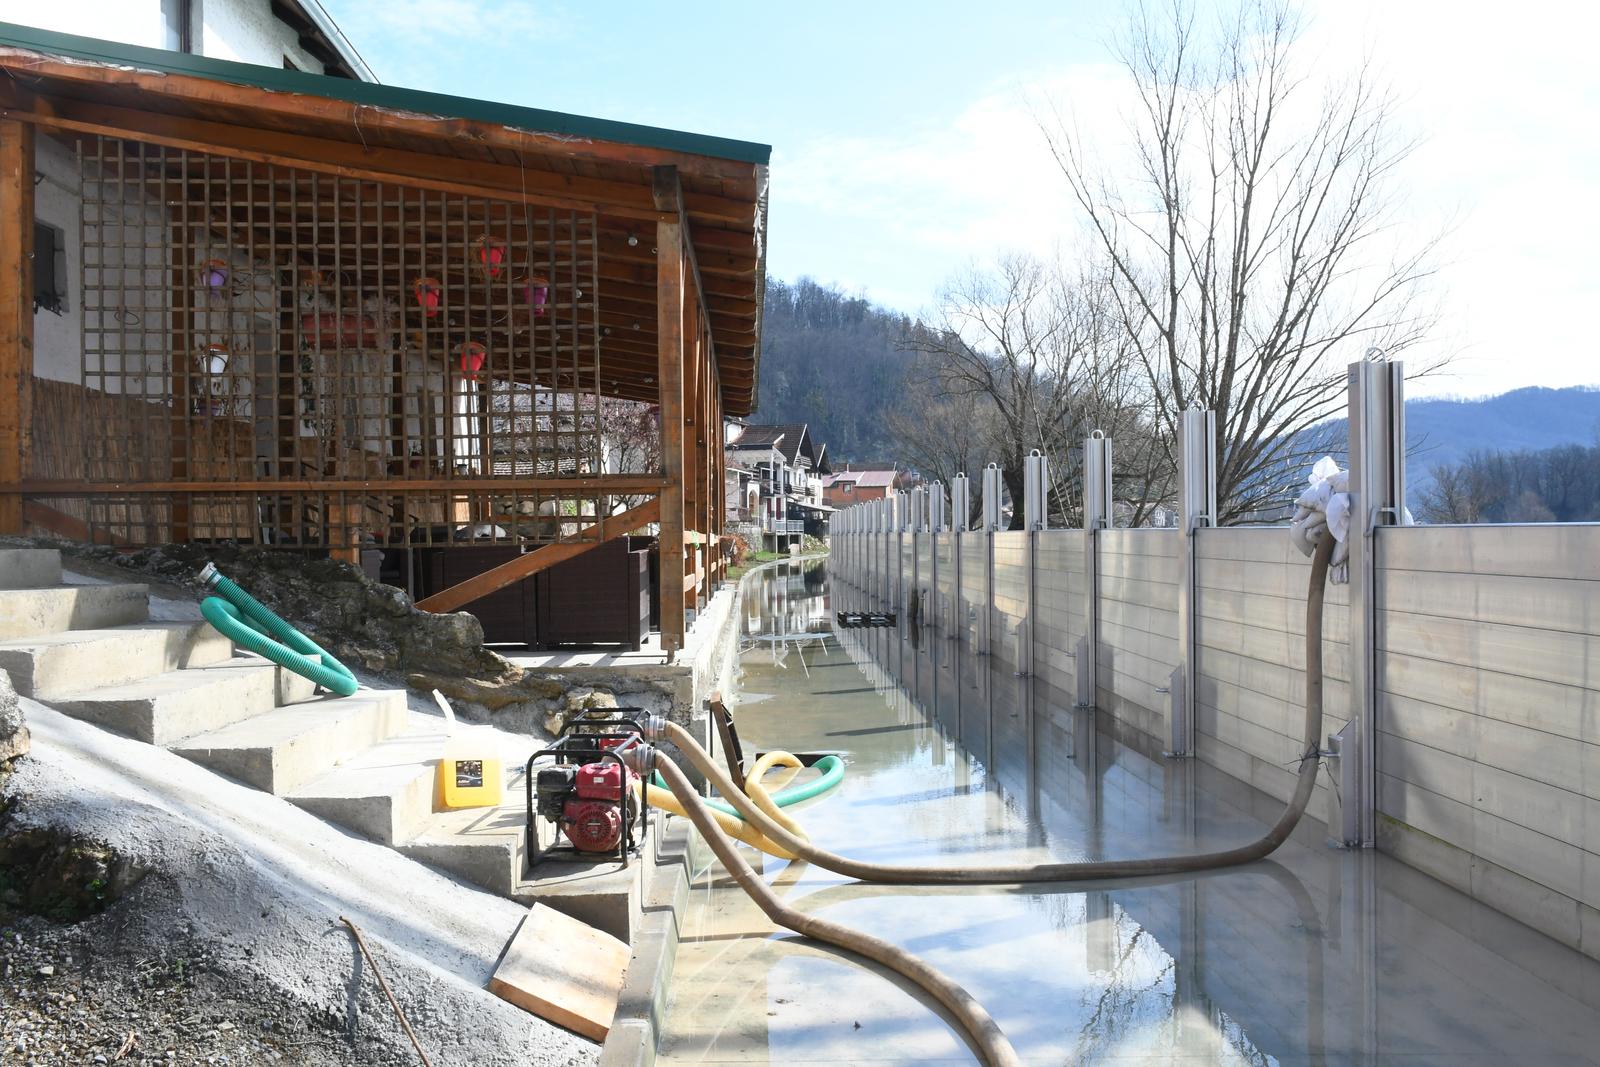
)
(295, 359)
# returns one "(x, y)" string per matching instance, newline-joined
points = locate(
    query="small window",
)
(49, 268)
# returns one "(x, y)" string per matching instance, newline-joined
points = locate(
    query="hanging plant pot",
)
(536, 291)
(429, 295)
(471, 355)
(492, 256)
(212, 277)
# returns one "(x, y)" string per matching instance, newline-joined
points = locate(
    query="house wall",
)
(248, 32)
(241, 30)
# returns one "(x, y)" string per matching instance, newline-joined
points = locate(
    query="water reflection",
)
(1317, 957)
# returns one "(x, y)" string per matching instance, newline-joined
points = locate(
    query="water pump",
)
(587, 793)
(592, 804)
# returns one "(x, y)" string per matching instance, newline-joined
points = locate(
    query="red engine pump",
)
(594, 803)
(594, 817)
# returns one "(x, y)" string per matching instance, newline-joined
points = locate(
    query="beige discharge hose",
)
(982, 1031)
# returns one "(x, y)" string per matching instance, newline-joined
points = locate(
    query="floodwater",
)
(1317, 956)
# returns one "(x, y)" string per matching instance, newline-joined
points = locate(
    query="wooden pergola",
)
(448, 298)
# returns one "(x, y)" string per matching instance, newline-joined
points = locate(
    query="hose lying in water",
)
(992, 1046)
(1053, 872)
(982, 1031)
(658, 796)
(831, 773)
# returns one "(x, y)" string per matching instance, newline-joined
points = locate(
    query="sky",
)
(906, 140)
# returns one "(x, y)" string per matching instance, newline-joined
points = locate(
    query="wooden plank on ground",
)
(563, 970)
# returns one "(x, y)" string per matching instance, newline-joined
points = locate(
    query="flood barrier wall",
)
(1486, 664)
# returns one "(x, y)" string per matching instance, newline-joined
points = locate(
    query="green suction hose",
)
(245, 621)
(832, 768)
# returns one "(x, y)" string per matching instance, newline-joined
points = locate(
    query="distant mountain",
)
(831, 360)
(1523, 420)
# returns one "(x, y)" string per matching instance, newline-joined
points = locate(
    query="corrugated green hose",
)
(245, 621)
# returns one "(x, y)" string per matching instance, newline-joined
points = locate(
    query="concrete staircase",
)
(364, 762)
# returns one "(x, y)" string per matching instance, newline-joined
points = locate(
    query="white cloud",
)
(1505, 105)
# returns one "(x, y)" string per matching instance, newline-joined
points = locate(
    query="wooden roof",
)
(452, 143)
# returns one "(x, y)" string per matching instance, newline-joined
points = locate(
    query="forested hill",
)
(830, 359)
(1523, 420)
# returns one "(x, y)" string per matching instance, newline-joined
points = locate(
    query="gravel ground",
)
(71, 995)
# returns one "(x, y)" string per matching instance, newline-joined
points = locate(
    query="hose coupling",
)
(639, 756)
(654, 727)
(209, 575)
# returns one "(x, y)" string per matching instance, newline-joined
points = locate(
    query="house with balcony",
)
(783, 468)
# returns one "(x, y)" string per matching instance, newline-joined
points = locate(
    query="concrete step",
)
(386, 792)
(487, 847)
(483, 846)
(36, 612)
(76, 661)
(289, 746)
(287, 686)
(29, 568)
(166, 708)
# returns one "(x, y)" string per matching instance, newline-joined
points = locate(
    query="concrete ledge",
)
(641, 1007)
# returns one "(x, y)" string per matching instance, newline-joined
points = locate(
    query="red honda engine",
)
(593, 803)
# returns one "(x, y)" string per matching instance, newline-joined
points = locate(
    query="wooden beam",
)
(543, 558)
(64, 525)
(669, 334)
(417, 170)
(610, 483)
(301, 109)
(566, 190)
(16, 314)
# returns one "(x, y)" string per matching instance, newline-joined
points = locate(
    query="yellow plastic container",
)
(470, 773)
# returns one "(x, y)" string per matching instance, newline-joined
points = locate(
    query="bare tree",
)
(1042, 352)
(1252, 251)
(943, 432)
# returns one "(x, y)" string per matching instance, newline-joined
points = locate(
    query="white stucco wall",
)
(241, 30)
(129, 21)
(246, 31)
(56, 201)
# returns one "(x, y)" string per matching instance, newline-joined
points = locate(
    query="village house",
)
(786, 467)
(847, 487)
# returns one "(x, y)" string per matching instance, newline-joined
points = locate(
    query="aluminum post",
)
(1377, 498)
(1197, 508)
(960, 503)
(1096, 517)
(992, 487)
(1035, 478)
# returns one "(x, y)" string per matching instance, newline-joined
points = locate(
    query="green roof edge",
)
(373, 94)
